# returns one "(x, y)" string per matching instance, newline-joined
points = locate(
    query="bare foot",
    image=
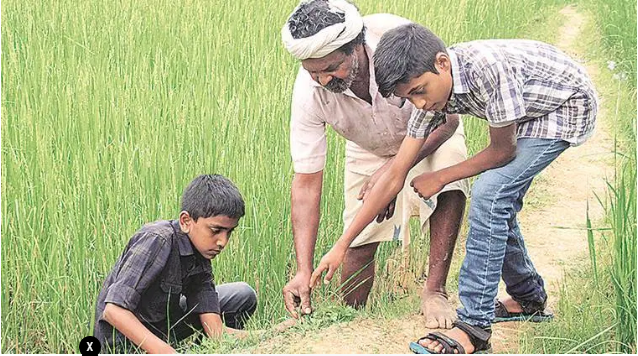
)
(438, 312)
(511, 305)
(455, 334)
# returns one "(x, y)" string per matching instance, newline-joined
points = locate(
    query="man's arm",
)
(438, 137)
(305, 199)
(128, 324)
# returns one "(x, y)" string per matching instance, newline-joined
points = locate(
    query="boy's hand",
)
(330, 262)
(427, 184)
(297, 294)
(212, 324)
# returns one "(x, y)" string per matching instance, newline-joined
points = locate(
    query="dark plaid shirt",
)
(546, 93)
(158, 265)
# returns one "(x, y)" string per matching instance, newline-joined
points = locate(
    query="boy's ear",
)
(442, 61)
(184, 221)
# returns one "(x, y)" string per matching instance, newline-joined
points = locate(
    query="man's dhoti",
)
(360, 165)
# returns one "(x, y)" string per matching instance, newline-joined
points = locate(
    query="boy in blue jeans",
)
(161, 289)
(537, 102)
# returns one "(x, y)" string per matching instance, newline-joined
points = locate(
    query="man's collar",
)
(458, 74)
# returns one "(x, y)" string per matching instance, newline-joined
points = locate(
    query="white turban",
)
(328, 39)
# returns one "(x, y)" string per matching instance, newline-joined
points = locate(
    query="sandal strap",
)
(479, 337)
(531, 306)
(449, 345)
(500, 311)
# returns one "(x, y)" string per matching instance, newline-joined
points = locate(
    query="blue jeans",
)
(495, 245)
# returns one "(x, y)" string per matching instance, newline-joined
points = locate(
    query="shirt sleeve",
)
(201, 295)
(503, 91)
(422, 123)
(308, 145)
(141, 264)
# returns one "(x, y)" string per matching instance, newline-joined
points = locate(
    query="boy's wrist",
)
(444, 177)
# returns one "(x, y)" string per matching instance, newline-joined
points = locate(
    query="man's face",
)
(335, 72)
(208, 235)
(429, 91)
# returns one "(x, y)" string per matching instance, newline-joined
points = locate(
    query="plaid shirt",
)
(158, 265)
(531, 83)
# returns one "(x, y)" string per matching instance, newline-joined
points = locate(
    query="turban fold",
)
(328, 39)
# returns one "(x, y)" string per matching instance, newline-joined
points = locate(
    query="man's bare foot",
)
(438, 312)
(511, 305)
(455, 334)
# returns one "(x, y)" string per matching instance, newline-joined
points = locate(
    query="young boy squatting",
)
(161, 289)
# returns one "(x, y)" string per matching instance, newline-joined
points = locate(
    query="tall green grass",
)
(109, 108)
(622, 215)
(597, 306)
(617, 19)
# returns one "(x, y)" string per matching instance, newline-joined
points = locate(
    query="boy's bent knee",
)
(237, 297)
(246, 293)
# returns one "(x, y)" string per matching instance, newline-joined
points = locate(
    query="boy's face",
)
(429, 91)
(208, 235)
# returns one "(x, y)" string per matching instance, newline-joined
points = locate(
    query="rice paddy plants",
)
(109, 108)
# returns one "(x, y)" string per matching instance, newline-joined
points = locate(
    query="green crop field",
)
(109, 108)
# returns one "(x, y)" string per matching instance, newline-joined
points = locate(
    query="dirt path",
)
(553, 223)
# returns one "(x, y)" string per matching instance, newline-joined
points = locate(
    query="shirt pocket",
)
(171, 287)
(161, 298)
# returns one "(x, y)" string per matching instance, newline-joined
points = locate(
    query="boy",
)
(537, 102)
(161, 290)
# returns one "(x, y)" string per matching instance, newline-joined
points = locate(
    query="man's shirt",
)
(546, 93)
(377, 128)
(158, 265)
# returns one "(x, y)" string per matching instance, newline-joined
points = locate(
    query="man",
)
(336, 86)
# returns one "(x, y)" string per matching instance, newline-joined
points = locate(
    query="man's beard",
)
(338, 85)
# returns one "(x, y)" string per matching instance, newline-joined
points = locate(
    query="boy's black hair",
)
(403, 53)
(315, 15)
(211, 195)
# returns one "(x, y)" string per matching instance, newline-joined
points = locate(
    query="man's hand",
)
(388, 211)
(297, 294)
(330, 262)
(427, 184)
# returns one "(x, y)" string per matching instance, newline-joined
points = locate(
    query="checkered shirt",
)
(531, 83)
